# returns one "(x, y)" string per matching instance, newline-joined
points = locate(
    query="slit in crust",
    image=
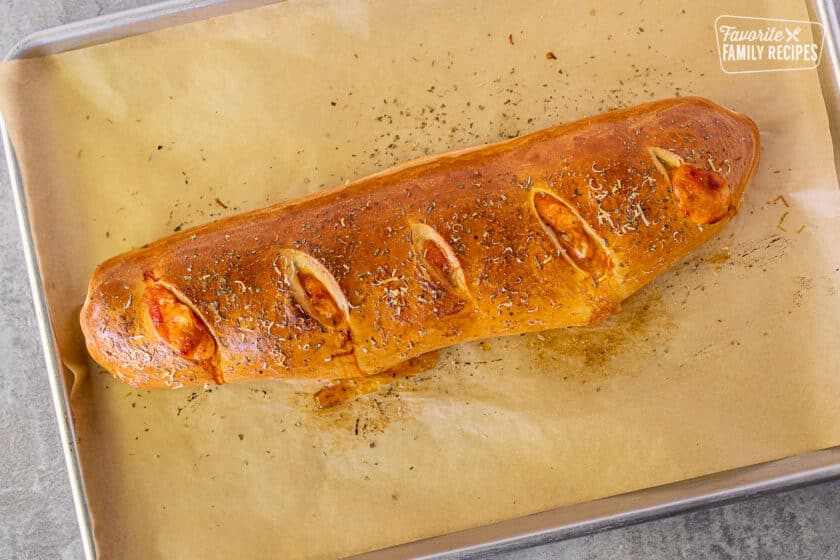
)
(315, 289)
(577, 242)
(438, 258)
(179, 325)
(702, 195)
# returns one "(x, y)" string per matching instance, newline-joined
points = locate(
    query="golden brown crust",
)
(547, 230)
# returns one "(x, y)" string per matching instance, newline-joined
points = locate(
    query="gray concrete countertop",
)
(36, 507)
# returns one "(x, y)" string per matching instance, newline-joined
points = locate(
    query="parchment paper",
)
(727, 360)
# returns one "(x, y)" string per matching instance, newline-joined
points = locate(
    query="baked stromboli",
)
(548, 230)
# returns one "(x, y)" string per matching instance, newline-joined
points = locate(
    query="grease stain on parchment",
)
(586, 353)
(367, 415)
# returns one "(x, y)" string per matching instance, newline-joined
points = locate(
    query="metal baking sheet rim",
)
(553, 525)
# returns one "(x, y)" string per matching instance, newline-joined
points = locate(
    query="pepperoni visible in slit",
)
(703, 196)
(435, 257)
(439, 259)
(321, 303)
(176, 324)
(315, 289)
(580, 246)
